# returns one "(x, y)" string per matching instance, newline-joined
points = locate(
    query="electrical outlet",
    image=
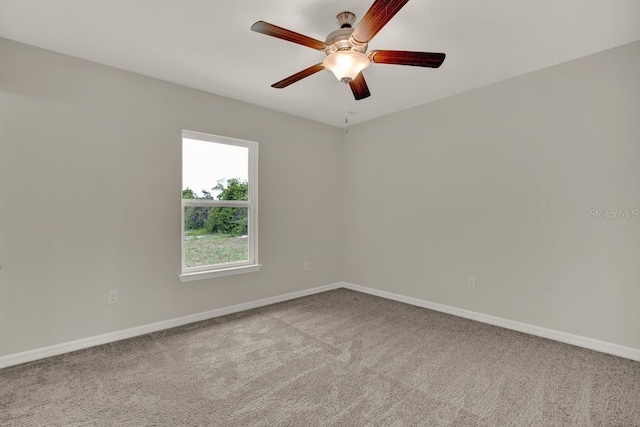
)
(113, 296)
(472, 282)
(306, 267)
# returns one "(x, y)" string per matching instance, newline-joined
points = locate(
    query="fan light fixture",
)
(346, 64)
(346, 47)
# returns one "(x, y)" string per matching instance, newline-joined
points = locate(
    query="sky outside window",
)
(205, 163)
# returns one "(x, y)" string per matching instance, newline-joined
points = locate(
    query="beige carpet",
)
(340, 358)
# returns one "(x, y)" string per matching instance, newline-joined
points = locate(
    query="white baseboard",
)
(54, 350)
(577, 340)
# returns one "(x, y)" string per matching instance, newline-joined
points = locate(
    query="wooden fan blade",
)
(359, 88)
(402, 57)
(298, 76)
(380, 12)
(288, 35)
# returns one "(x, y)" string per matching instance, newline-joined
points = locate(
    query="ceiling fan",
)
(346, 47)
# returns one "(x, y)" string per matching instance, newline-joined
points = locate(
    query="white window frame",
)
(226, 269)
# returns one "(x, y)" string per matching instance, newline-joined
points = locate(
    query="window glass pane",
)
(214, 171)
(215, 235)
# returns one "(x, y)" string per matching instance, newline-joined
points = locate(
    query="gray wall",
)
(90, 177)
(499, 183)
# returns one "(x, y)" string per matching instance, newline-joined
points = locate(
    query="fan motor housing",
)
(340, 38)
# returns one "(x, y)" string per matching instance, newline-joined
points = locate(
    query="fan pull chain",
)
(345, 110)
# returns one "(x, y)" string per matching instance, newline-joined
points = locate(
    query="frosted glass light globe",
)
(346, 64)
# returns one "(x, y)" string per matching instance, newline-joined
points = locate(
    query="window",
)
(219, 206)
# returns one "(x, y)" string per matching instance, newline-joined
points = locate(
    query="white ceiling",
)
(207, 45)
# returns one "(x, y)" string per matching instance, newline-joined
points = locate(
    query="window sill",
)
(201, 275)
